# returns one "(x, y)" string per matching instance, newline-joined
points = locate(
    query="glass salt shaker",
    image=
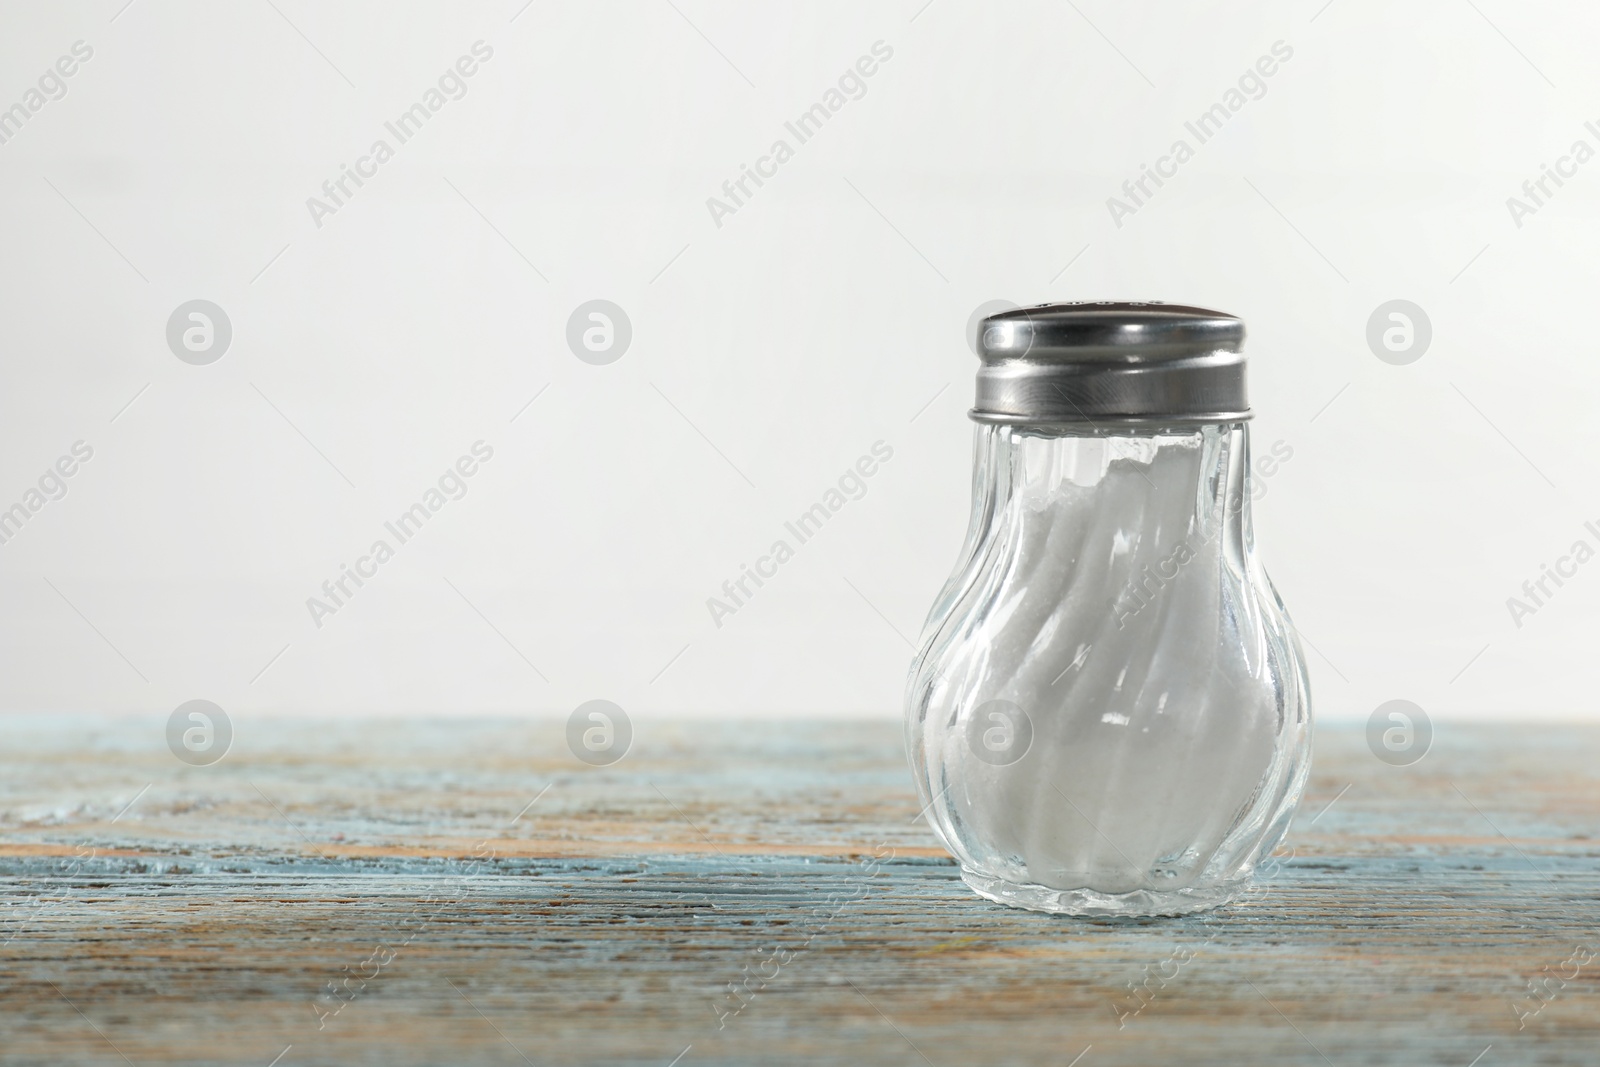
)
(1109, 712)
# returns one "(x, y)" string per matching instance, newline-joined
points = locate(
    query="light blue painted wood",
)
(330, 888)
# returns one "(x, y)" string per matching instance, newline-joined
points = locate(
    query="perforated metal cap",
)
(1111, 362)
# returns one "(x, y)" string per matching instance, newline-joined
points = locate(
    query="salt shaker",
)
(1109, 712)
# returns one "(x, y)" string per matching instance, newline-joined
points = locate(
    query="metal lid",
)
(1091, 363)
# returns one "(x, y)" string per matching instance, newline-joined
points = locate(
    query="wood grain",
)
(367, 892)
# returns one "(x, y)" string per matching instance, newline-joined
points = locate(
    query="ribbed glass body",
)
(1109, 712)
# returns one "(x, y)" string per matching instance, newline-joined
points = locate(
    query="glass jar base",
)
(1088, 902)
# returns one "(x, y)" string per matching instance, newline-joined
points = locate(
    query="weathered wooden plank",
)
(204, 924)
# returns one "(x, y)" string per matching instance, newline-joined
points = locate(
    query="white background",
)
(768, 353)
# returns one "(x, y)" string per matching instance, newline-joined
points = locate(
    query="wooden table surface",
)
(462, 893)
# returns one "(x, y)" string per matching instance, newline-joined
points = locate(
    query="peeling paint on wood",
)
(366, 892)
